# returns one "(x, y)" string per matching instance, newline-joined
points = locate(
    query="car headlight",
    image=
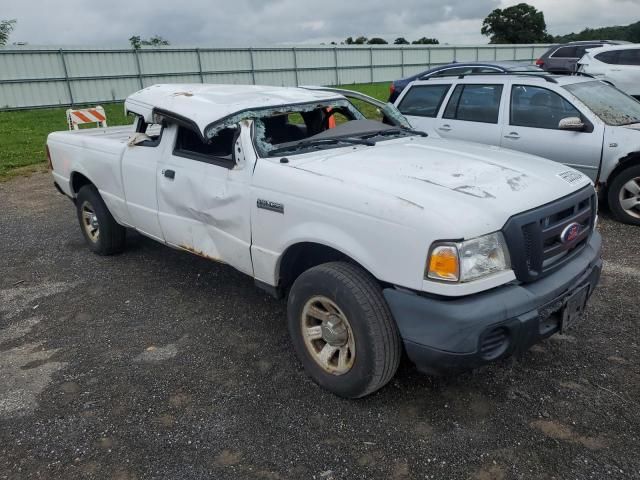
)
(468, 260)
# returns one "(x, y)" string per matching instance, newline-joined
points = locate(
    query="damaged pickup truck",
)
(381, 239)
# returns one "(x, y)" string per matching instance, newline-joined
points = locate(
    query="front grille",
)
(543, 239)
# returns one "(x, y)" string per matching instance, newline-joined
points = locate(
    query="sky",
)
(258, 23)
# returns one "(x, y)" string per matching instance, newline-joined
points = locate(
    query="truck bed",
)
(111, 139)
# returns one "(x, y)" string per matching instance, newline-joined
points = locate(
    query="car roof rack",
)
(544, 76)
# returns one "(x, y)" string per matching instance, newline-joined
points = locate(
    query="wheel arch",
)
(630, 160)
(77, 180)
(303, 255)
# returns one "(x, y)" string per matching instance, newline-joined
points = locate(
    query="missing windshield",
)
(316, 127)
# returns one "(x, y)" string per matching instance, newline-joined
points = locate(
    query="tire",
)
(372, 346)
(102, 233)
(622, 193)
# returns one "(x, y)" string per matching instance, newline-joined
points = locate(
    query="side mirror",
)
(573, 124)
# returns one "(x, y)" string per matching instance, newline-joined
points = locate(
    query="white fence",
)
(34, 78)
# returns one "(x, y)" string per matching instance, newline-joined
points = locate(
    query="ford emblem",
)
(570, 233)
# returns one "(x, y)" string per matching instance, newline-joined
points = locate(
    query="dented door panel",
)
(204, 208)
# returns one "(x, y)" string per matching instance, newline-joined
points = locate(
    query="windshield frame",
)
(588, 102)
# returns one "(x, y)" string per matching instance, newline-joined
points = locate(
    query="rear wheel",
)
(342, 329)
(624, 195)
(102, 233)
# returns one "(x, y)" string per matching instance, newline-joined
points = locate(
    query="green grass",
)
(23, 133)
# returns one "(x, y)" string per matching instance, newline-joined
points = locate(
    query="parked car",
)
(456, 68)
(619, 65)
(563, 58)
(584, 123)
(381, 239)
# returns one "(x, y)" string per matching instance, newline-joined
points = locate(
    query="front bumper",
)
(442, 334)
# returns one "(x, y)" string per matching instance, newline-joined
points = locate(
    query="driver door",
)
(203, 194)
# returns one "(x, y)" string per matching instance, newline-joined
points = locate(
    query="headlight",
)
(468, 260)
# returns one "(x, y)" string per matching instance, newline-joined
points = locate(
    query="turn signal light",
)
(443, 264)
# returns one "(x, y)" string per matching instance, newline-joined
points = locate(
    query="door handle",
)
(513, 136)
(170, 174)
(445, 128)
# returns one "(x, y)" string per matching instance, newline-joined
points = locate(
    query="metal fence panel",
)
(34, 77)
(16, 66)
(96, 64)
(103, 90)
(225, 60)
(30, 94)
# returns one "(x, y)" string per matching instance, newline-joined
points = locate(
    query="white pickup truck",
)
(381, 239)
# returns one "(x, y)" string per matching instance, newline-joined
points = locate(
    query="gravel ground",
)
(159, 364)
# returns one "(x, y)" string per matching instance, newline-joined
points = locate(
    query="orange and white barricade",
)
(86, 115)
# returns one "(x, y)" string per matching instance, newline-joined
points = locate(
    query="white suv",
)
(576, 120)
(618, 64)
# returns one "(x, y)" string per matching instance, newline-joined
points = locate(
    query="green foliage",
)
(6, 27)
(630, 33)
(400, 41)
(520, 23)
(426, 41)
(377, 41)
(155, 41)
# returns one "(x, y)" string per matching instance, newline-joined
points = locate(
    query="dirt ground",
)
(159, 364)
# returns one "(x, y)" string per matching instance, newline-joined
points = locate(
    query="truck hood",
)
(480, 185)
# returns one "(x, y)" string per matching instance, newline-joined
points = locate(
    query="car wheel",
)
(102, 233)
(342, 329)
(624, 195)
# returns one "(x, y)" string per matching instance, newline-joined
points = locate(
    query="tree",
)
(360, 40)
(400, 41)
(426, 41)
(377, 41)
(349, 41)
(6, 27)
(520, 23)
(630, 33)
(155, 41)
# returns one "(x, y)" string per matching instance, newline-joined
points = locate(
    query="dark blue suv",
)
(460, 68)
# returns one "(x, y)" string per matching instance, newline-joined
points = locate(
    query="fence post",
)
(477, 54)
(455, 54)
(335, 59)
(371, 62)
(253, 70)
(429, 57)
(66, 76)
(135, 52)
(402, 61)
(199, 65)
(295, 65)
(533, 53)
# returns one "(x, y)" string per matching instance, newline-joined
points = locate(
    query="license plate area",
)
(574, 307)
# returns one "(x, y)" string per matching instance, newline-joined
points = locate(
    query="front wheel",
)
(342, 329)
(102, 233)
(624, 195)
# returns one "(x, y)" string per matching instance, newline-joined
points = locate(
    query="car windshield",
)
(319, 126)
(610, 104)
